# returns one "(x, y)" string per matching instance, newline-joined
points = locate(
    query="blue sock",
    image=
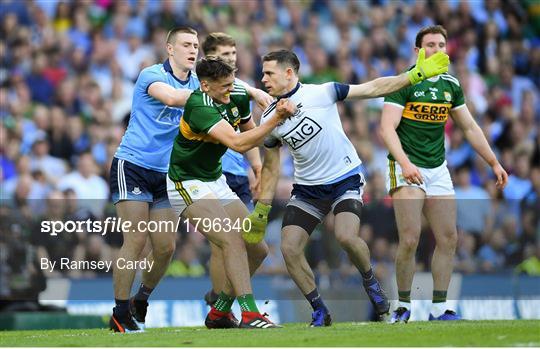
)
(314, 298)
(122, 308)
(143, 293)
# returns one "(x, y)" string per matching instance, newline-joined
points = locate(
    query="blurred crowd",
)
(66, 82)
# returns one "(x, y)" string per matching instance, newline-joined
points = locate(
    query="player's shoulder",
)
(199, 99)
(239, 88)
(155, 69)
(451, 79)
(239, 94)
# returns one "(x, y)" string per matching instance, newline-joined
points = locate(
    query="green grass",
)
(463, 333)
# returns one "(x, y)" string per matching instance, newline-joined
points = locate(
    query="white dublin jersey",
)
(314, 134)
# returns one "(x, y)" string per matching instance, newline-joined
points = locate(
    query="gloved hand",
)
(259, 220)
(426, 68)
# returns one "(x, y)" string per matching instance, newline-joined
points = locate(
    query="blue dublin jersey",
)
(234, 163)
(153, 125)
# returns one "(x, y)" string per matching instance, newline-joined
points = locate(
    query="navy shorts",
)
(130, 182)
(240, 185)
(319, 200)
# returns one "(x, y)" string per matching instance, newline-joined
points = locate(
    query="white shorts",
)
(437, 181)
(182, 194)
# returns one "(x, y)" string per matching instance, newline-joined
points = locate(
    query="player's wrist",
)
(415, 75)
(262, 208)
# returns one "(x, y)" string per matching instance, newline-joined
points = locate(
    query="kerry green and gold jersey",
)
(426, 108)
(195, 154)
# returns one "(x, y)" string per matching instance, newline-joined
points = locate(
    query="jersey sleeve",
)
(203, 118)
(398, 98)
(336, 91)
(272, 140)
(459, 98)
(150, 75)
(331, 92)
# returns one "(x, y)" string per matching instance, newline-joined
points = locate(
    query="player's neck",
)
(291, 88)
(180, 73)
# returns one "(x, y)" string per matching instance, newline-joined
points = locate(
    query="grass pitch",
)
(462, 333)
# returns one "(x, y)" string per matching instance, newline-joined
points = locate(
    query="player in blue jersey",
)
(139, 170)
(235, 170)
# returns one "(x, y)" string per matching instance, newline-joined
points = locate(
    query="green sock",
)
(439, 296)
(404, 296)
(224, 302)
(247, 303)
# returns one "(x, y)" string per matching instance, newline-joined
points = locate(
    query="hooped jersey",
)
(426, 107)
(196, 155)
(153, 125)
(314, 134)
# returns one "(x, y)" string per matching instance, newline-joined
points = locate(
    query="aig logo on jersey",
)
(305, 131)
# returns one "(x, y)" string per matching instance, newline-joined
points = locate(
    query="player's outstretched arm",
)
(242, 142)
(259, 216)
(474, 135)
(424, 68)
(169, 95)
(260, 97)
(391, 117)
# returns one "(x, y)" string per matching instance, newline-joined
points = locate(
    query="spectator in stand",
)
(91, 189)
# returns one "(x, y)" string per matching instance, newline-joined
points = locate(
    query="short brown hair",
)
(434, 29)
(213, 69)
(171, 36)
(284, 58)
(213, 40)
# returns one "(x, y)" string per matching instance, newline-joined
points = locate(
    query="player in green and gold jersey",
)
(198, 190)
(418, 180)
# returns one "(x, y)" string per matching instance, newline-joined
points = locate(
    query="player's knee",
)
(346, 239)
(233, 241)
(134, 242)
(291, 252)
(448, 241)
(164, 251)
(409, 243)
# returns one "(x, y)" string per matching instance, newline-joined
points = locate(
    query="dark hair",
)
(284, 58)
(171, 36)
(434, 29)
(213, 40)
(213, 69)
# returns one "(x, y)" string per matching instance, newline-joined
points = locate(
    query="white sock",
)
(437, 309)
(404, 305)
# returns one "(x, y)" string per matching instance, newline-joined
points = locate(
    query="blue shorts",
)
(130, 182)
(318, 200)
(240, 185)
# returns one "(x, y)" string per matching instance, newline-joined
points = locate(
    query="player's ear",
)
(169, 47)
(289, 73)
(204, 86)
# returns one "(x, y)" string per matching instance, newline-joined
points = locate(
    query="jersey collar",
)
(168, 68)
(291, 92)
